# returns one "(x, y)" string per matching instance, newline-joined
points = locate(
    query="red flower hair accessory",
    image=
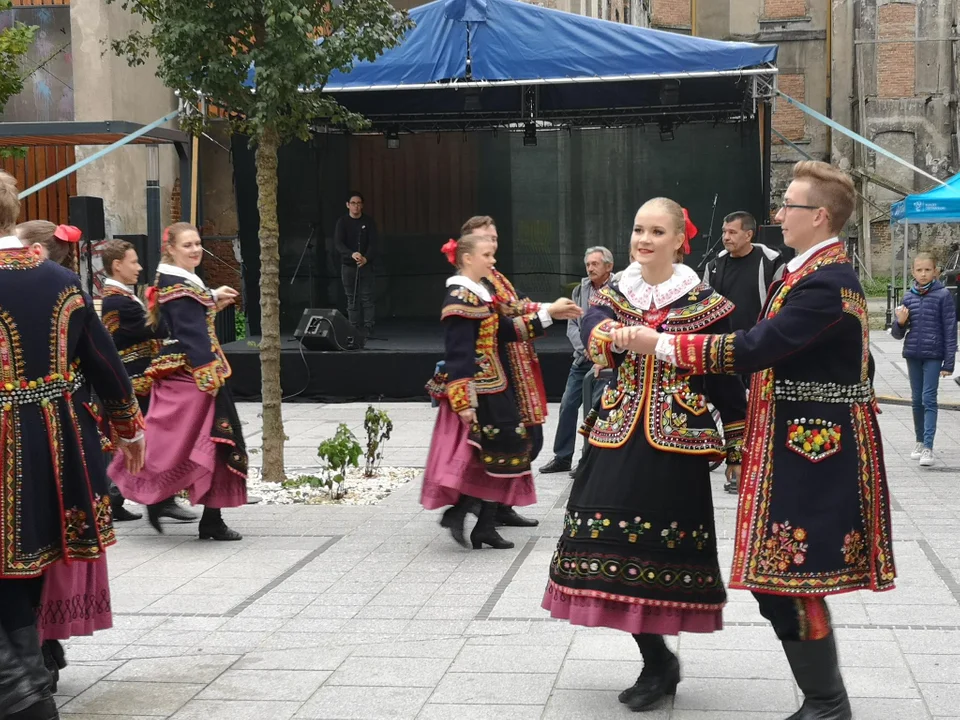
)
(165, 238)
(151, 295)
(68, 233)
(450, 250)
(689, 231)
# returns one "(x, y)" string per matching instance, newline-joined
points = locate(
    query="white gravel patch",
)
(360, 490)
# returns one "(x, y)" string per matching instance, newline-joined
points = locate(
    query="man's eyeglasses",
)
(355, 203)
(791, 206)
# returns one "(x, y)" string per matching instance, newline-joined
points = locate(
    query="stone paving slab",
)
(345, 612)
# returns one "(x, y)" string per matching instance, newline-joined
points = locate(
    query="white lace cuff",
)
(666, 350)
(544, 314)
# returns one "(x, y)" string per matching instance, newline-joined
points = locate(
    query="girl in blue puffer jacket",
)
(928, 320)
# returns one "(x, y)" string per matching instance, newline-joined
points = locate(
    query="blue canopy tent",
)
(483, 63)
(938, 205)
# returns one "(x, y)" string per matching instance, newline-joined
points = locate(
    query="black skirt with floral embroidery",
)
(639, 529)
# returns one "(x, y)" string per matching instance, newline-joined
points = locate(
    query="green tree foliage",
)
(15, 42)
(292, 46)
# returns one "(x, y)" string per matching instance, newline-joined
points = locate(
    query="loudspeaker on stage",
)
(327, 329)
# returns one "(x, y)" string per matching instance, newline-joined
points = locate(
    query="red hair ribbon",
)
(165, 239)
(151, 295)
(68, 233)
(450, 250)
(689, 231)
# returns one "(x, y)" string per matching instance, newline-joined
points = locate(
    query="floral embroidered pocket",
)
(814, 439)
(612, 395)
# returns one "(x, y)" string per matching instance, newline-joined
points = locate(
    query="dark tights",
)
(21, 598)
(654, 651)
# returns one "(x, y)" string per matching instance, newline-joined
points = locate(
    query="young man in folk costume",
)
(524, 365)
(814, 516)
(53, 495)
(125, 316)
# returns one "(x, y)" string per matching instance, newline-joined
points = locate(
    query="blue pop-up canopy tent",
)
(938, 205)
(579, 66)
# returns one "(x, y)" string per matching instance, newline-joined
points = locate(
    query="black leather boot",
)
(120, 513)
(660, 675)
(24, 680)
(168, 508)
(817, 671)
(55, 660)
(212, 527)
(454, 517)
(507, 516)
(485, 531)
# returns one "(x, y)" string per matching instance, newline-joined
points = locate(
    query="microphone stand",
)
(307, 246)
(709, 244)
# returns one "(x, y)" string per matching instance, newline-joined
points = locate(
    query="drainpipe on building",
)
(829, 66)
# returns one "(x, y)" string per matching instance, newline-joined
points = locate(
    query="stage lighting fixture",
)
(530, 135)
(666, 129)
(393, 139)
(670, 92)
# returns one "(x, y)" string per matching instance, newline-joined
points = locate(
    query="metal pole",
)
(906, 252)
(154, 220)
(99, 154)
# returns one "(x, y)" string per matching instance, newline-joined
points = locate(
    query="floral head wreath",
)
(689, 231)
(450, 250)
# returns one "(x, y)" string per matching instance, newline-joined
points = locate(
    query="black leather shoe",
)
(44, 709)
(508, 517)
(453, 519)
(485, 532)
(121, 514)
(652, 686)
(558, 464)
(817, 671)
(219, 532)
(731, 487)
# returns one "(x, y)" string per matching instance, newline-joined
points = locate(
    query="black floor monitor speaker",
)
(86, 213)
(327, 329)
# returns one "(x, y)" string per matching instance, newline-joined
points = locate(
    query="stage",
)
(395, 367)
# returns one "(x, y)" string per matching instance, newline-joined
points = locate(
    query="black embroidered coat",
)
(137, 342)
(188, 312)
(639, 527)
(477, 340)
(53, 347)
(814, 516)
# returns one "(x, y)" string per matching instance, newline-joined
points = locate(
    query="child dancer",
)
(480, 449)
(927, 320)
(194, 439)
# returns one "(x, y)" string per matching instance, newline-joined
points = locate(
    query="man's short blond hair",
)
(830, 188)
(9, 202)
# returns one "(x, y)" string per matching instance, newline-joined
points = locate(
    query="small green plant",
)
(336, 454)
(240, 324)
(378, 425)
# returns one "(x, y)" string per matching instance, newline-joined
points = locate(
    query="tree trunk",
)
(273, 435)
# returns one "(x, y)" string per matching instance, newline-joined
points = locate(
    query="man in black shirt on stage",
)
(355, 238)
(742, 272)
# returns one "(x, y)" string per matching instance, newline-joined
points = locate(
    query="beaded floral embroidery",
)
(76, 523)
(854, 549)
(634, 529)
(786, 546)
(814, 439)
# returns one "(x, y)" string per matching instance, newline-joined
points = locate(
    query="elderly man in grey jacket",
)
(599, 263)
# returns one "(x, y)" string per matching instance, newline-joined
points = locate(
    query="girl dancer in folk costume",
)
(53, 495)
(638, 551)
(59, 242)
(814, 513)
(480, 449)
(138, 342)
(194, 438)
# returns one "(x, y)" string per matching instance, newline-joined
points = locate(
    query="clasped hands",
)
(637, 338)
(564, 309)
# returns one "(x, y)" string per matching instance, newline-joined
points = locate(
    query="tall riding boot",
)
(55, 660)
(24, 681)
(817, 671)
(212, 526)
(454, 517)
(509, 517)
(660, 675)
(485, 532)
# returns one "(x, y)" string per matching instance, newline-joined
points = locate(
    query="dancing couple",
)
(638, 551)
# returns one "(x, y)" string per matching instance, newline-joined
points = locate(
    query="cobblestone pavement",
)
(372, 612)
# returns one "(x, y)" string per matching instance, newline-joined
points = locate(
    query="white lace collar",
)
(10, 242)
(644, 296)
(475, 287)
(180, 272)
(126, 288)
